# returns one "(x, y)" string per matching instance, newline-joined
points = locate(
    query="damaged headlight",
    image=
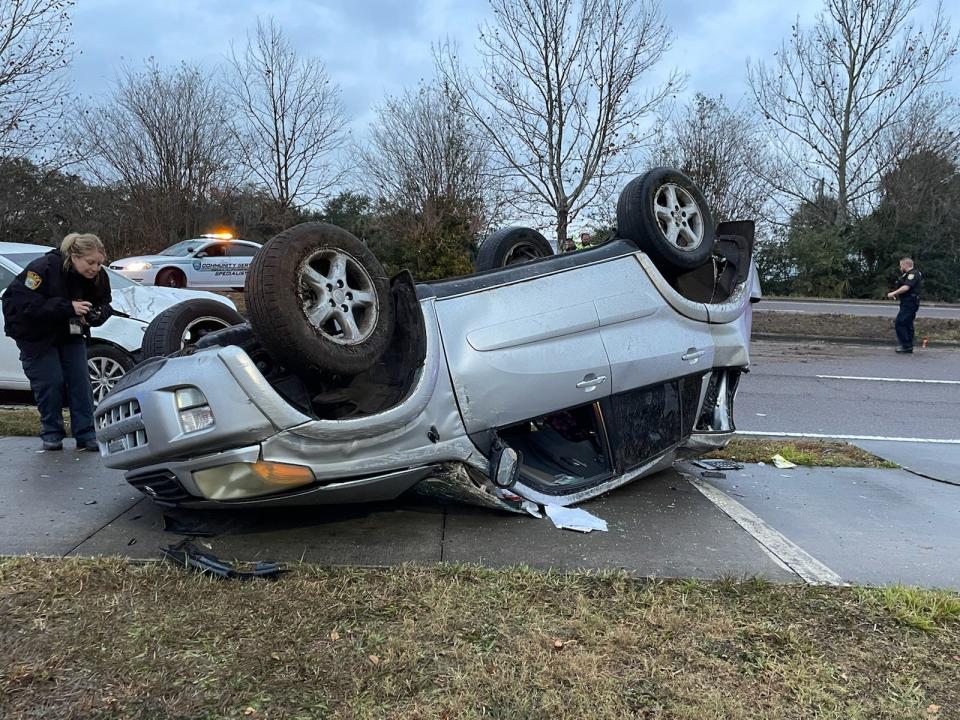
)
(195, 413)
(243, 480)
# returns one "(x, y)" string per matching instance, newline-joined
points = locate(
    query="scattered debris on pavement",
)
(782, 463)
(574, 519)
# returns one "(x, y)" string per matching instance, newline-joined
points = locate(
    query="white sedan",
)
(211, 262)
(114, 347)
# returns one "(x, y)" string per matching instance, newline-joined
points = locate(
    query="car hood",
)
(145, 303)
(152, 259)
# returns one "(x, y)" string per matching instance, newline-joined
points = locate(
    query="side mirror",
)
(505, 467)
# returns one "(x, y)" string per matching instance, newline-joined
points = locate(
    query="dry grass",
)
(24, 421)
(824, 453)
(104, 638)
(851, 326)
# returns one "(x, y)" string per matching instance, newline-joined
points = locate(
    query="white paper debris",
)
(574, 519)
(532, 508)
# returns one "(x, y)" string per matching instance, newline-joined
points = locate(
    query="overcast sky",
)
(374, 47)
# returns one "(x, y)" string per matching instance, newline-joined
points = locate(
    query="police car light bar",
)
(218, 236)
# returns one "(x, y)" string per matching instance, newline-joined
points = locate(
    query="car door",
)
(647, 339)
(240, 256)
(209, 267)
(11, 371)
(660, 348)
(525, 348)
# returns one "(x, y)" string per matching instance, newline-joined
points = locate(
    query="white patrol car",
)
(209, 262)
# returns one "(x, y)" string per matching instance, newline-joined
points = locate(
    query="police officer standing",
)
(49, 309)
(908, 293)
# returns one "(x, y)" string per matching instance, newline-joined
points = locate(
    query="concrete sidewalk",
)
(892, 524)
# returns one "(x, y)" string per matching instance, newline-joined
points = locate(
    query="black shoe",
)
(902, 349)
(52, 445)
(90, 445)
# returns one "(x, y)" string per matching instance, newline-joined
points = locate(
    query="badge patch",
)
(32, 281)
(910, 276)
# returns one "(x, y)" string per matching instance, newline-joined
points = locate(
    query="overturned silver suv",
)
(548, 378)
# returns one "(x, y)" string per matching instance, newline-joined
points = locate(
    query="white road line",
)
(822, 436)
(882, 379)
(792, 555)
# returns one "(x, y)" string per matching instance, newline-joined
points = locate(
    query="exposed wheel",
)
(181, 325)
(106, 364)
(510, 246)
(320, 301)
(170, 277)
(664, 214)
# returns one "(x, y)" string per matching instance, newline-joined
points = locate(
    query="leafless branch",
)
(290, 118)
(557, 95)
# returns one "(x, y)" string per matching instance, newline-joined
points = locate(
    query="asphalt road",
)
(846, 390)
(841, 307)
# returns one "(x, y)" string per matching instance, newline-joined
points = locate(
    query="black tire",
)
(181, 325)
(510, 246)
(681, 239)
(107, 364)
(345, 339)
(170, 277)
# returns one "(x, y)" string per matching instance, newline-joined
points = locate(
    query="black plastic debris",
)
(713, 474)
(173, 525)
(718, 464)
(189, 556)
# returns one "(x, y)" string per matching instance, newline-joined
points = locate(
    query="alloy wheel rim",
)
(679, 217)
(338, 297)
(104, 374)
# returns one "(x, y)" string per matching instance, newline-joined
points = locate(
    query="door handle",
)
(691, 355)
(592, 382)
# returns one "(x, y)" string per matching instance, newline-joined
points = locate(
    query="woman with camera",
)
(49, 309)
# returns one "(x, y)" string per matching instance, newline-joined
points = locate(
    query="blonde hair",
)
(81, 245)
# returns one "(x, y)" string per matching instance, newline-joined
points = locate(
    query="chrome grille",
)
(120, 427)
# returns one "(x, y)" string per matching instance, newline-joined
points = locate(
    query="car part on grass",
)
(106, 364)
(188, 555)
(665, 215)
(510, 246)
(320, 300)
(183, 324)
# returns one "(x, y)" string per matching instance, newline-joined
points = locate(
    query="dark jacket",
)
(38, 304)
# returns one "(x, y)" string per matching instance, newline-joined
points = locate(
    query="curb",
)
(841, 340)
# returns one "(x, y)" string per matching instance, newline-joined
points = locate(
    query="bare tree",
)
(557, 95)
(423, 156)
(161, 135)
(720, 150)
(34, 50)
(836, 89)
(291, 119)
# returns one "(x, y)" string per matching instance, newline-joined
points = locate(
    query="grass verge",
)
(824, 453)
(104, 638)
(24, 421)
(818, 327)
